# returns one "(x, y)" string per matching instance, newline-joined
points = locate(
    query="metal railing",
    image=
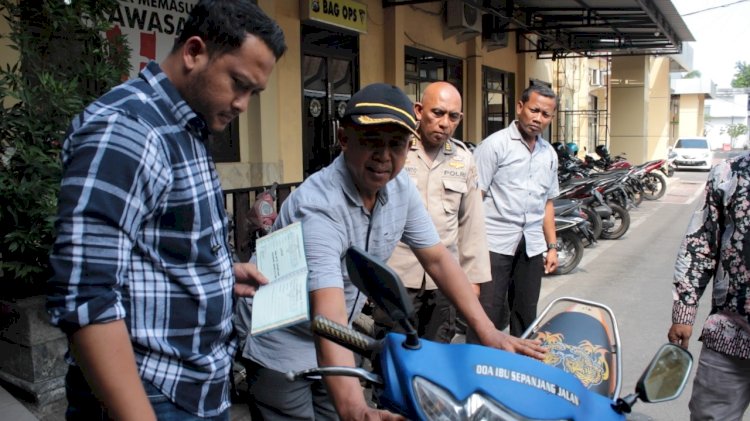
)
(238, 203)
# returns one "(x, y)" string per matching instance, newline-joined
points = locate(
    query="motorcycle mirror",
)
(663, 380)
(382, 285)
(666, 376)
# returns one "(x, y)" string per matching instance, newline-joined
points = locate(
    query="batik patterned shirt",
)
(717, 245)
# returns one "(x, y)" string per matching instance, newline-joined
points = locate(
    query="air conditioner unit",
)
(462, 20)
(494, 32)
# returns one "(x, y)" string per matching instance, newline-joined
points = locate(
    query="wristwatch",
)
(552, 246)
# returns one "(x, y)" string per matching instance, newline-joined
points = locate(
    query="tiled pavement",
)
(12, 409)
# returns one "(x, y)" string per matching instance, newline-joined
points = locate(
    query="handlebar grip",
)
(343, 335)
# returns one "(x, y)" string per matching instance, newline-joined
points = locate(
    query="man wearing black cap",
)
(361, 199)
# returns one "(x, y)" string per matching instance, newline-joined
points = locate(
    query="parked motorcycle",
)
(569, 243)
(573, 234)
(653, 182)
(606, 161)
(669, 167)
(424, 380)
(600, 197)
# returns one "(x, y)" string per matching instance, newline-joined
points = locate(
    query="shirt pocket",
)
(543, 172)
(453, 190)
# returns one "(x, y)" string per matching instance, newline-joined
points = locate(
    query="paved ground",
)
(12, 409)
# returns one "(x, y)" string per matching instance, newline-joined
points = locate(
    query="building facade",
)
(730, 106)
(338, 46)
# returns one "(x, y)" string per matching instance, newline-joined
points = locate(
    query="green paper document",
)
(280, 257)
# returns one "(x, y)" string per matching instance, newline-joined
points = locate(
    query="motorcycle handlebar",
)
(344, 336)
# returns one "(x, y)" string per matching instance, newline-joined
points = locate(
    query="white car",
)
(692, 152)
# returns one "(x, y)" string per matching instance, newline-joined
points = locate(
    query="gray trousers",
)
(721, 390)
(274, 398)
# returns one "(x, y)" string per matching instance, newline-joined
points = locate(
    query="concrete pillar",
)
(628, 107)
(639, 100)
(657, 112)
(473, 97)
(32, 351)
(394, 22)
(691, 115)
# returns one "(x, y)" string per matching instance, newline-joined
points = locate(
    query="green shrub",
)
(64, 62)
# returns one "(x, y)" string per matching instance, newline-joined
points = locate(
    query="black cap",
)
(381, 103)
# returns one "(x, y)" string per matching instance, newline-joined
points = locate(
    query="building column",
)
(393, 24)
(657, 113)
(473, 96)
(628, 107)
(639, 111)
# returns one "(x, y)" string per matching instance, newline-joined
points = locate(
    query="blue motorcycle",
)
(423, 380)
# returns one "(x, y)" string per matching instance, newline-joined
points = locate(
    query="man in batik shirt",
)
(717, 245)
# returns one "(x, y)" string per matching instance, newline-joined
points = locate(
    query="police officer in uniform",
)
(446, 176)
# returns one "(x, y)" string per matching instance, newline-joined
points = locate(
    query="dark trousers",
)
(516, 281)
(274, 398)
(434, 316)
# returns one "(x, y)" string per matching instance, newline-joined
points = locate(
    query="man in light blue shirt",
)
(518, 176)
(362, 199)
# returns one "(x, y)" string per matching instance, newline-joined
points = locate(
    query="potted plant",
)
(63, 61)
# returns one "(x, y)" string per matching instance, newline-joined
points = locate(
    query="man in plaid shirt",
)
(143, 275)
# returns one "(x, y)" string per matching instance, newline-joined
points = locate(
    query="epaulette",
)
(458, 143)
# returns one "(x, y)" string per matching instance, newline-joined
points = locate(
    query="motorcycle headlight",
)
(438, 404)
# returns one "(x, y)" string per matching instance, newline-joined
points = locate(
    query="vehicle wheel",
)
(654, 186)
(620, 220)
(594, 219)
(670, 170)
(637, 198)
(569, 252)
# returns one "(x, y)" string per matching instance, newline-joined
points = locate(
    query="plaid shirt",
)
(717, 245)
(142, 236)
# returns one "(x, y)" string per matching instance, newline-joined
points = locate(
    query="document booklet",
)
(280, 257)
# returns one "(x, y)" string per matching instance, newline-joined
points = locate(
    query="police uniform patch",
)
(456, 164)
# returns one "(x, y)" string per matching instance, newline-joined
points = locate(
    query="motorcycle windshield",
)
(526, 386)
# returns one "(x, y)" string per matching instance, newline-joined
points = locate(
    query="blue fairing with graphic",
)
(521, 384)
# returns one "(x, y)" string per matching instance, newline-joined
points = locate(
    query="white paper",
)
(284, 301)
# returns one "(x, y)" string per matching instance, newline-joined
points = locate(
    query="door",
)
(328, 81)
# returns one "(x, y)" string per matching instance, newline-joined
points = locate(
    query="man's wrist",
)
(683, 314)
(551, 246)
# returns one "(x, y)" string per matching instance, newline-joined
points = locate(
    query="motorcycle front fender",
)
(585, 230)
(603, 210)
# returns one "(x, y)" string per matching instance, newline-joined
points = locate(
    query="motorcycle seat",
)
(579, 342)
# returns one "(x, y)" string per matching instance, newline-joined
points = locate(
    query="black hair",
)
(540, 89)
(347, 121)
(224, 24)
